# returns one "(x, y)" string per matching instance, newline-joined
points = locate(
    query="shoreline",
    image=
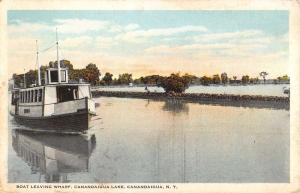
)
(255, 101)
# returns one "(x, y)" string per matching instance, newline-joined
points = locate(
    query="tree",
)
(245, 79)
(204, 80)
(284, 78)
(189, 78)
(107, 79)
(18, 80)
(175, 83)
(254, 80)
(125, 78)
(149, 80)
(91, 73)
(31, 77)
(263, 74)
(234, 78)
(224, 77)
(216, 79)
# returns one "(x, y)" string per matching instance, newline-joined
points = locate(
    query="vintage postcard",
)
(140, 96)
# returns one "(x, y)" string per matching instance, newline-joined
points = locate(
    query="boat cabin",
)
(51, 76)
(57, 96)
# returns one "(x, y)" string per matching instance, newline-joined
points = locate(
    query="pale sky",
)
(153, 42)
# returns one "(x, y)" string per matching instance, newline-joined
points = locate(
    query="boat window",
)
(63, 75)
(54, 76)
(31, 98)
(28, 96)
(26, 99)
(32, 95)
(40, 95)
(36, 95)
(12, 98)
(66, 93)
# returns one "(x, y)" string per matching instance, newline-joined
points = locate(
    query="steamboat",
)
(58, 104)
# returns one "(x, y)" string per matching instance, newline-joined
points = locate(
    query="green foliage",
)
(18, 80)
(107, 79)
(31, 77)
(138, 81)
(206, 80)
(63, 64)
(76, 74)
(253, 80)
(216, 79)
(263, 75)
(224, 78)
(175, 83)
(91, 73)
(125, 78)
(149, 80)
(283, 78)
(190, 78)
(245, 79)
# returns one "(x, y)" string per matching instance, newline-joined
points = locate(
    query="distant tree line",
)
(179, 83)
(156, 80)
(174, 83)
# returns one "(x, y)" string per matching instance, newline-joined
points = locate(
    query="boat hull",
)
(72, 122)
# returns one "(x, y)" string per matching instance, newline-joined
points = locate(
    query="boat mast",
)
(38, 64)
(24, 78)
(58, 62)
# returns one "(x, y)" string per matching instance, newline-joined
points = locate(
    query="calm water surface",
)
(137, 140)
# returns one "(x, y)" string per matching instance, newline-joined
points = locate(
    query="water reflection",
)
(54, 156)
(176, 106)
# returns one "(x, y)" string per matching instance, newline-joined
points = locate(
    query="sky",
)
(153, 42)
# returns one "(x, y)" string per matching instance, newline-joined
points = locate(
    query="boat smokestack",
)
(58, 62)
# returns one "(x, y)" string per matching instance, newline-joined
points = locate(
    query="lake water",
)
(259, 89)
(139, 140)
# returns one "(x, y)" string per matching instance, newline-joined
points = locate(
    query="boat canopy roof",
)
(51, 85)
